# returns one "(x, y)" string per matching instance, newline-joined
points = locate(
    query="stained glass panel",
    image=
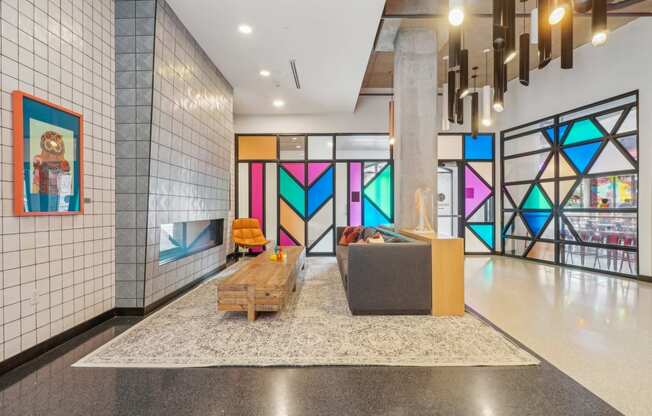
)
(524, 168)
(582, 155)
(611, 160)
(479, 148)
(582, 131)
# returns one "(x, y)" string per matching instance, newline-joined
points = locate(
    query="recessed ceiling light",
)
(245, 29)
(294, 139)
(298, 146)
(278, 103)
(264, 73)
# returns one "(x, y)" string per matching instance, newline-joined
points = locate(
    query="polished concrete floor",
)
(50, 386)
(595, 328)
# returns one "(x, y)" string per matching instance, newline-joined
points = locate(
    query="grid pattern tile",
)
(58, 272)
(191, 151)
(134, 43)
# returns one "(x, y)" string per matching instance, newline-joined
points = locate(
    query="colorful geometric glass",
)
(291, 222)
(355, 185)
(583, 131)
(550, 134)
(536, 220)
(320, 191)
(297, 170)
(257, 196)
(476, 191)
(316, 169)
(292, 192)
(562, 129)
(379, 192)
(629, 143)
(284, 239)
(608, 121)
(372, 215)
(517, 192)
(485, 232)
(565, 169)
(611, 160)
(479, 148)
(582, 155)
(537, 199)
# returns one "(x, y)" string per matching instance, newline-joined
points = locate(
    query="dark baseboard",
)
(644, 278)
(45, 346)
(169, 297)
(57, 340)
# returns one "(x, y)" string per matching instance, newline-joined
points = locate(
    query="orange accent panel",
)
(542, 251)
(17, 107)
(256, 147)
(292, 223)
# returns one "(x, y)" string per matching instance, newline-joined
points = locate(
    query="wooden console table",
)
(261, 285)
(447, 272)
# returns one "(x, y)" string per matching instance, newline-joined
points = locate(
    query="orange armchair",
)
(246, 233)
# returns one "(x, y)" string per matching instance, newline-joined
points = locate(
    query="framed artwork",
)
(48, 158)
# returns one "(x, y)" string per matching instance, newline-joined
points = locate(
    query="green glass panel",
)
(292, 192)
(536, 199)
(583, 131)
(379, 191)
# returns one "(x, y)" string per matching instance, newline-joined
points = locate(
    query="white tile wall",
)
(191, 151)
(57, 272)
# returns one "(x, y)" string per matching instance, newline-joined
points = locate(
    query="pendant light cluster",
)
(546, 15)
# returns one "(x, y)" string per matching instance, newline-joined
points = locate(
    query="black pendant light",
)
(454, 45)
(475, 106)
(567, 39)
(499, 79)
(524, 54)
(545, 34)
(498, 33)
(464, 73)
(452, 87)
(459, 108)
(599, 22)
(509, 21)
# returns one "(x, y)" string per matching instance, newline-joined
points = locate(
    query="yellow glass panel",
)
(549, 187)
(256, 147)
(292, 222)
(542, 251)
(564, 168)
(564, 189)
(550, 170)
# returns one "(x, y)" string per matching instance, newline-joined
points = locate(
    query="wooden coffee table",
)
(261, 285)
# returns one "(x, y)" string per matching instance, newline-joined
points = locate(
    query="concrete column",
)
(415, 94)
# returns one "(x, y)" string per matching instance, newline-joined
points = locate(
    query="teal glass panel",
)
(320, 191)
(479, 148)
(379, 191)
(536, 199)
(583, 131)
(372, 216)
(485, 232)
(581, 156)
(536, 220)
(292, 192)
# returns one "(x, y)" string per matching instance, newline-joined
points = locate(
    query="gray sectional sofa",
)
(393, 278)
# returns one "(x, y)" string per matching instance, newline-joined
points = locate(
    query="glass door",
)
(449, 217)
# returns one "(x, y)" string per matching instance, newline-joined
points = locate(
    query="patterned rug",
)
(316, 328)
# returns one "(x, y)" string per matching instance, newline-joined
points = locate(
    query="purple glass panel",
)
(355, 184)
(257, 197)
(297, 170)
(316, 169)
(476, 191)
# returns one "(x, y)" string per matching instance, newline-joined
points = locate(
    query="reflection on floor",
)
(595, 328)
(49, 386)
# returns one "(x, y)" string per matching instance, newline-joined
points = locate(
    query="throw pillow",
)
(376, 239)
(350, 235)
(368, 233)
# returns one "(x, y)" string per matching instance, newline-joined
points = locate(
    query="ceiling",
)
(329, 40)
(381, 64)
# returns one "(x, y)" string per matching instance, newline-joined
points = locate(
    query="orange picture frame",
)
(18, 99)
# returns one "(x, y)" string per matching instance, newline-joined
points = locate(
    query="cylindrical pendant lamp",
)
(567, 41)
(445, 124)
(524, 59)
(599, 22)
(451, 96)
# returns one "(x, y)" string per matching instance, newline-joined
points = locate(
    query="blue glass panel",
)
(373, 216)
(550, 134)
(580, 156)
(320, 191)
(536, 220)
(562, 130)
(485, 232)
(479, 148)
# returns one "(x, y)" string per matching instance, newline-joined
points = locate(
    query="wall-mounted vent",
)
(295, 73)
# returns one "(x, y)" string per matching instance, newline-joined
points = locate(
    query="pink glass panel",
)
(475, 191)
(284, 239)
(355, 194)
(316, 169)
(257, 197)
(297, 170)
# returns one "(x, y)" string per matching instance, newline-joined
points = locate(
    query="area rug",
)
(316, 328)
